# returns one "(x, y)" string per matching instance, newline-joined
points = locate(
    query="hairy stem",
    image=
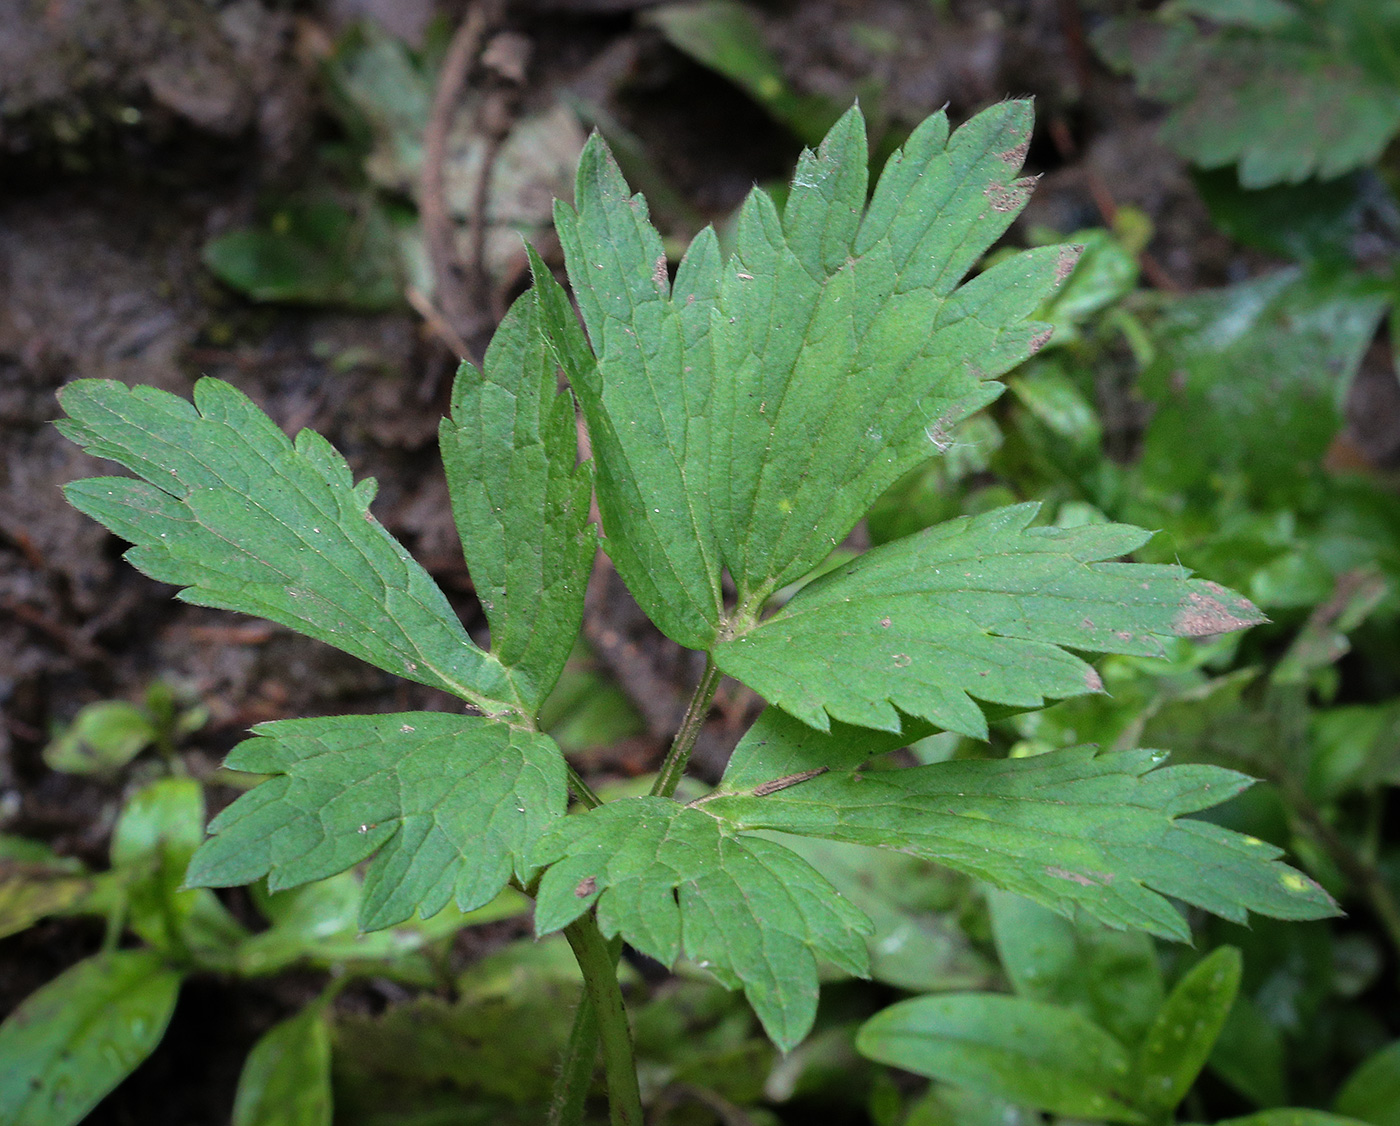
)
(595, 959)
(673, 769)
(576, 1068)
(582, 790)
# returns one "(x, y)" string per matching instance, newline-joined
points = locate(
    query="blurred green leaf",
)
(1250, 380)
(724, 36)
(944, 1105)
(34, 882)
(1372, 1092)
(1316, 220)
(314, 252)
(1291, 1116)
(157, 832)
(917, 943)
(70, 1043)
(1026, 1052)
(1249, 1054)
(319, 923)
(286, 1080)
(1284, 99)
(1109, 976)
(1356, 746)
(1179, 1041)
(102, 739)
(499, 1040)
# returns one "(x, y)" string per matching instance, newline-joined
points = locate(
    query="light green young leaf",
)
(1070, 829)
(983, 607)
(1023, 1051)
(157, 832)
(747, 415)
(81, 1034)
(448, 805)
(1110, 976)
(102, 738)
(244, 519)
(520, 502)
(671, 880)
(1179, 1042)
(286, 1080)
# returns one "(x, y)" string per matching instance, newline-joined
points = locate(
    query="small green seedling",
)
(743, 416)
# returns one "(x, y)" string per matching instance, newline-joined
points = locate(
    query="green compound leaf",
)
(1103, 833)
(449, 806)
(1180, 1040)
(746, 414)
(1285, 102)
(247, 520)
(671, 880)
(983, 607)
(520, 501)
(80, 1035)
(1026, 1052)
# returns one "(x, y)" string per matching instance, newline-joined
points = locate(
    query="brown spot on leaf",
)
(658, 272)
(586, 887)
(1009, 197)
(1080, 878)
(1065, 264)
(885, 622)
(1040, 339)
(1204, 615)
(1092, 680)
(1016, 155)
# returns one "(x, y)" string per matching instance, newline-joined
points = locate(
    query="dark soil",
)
(131, 131)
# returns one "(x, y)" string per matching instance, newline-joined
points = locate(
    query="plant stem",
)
(610, 1015)
(576, 1068)
(582, 790)
(673, 769)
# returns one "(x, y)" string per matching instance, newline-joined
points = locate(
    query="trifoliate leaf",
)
(1285, 102)
(1104, 833)
(981, 607)
(746, 415)
(672, 880)
(245, 520)
(520, 501)
(449, 806)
